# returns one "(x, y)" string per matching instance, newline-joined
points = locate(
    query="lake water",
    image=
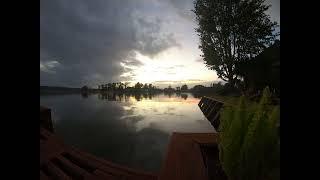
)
(131, 130)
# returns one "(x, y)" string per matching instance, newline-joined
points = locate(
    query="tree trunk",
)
(231, 81)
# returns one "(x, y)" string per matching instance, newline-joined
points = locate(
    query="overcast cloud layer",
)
(84, 42)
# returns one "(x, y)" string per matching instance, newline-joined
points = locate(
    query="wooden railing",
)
(211, 109)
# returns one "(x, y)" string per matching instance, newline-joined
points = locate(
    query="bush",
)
(228, 90)
(249, 145)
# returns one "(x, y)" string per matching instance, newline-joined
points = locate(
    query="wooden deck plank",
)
(56, 172)
(51, 147)
(184, 159)
(107, 165)
(60, 159)
(104, 175)
(73, 169)
(43, 176)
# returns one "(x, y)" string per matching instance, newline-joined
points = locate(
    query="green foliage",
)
(231, 31)
(249, 144)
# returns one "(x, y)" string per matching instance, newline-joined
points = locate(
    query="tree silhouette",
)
(184, 87)
(231, 31)
(138, 85)
(113, 86)
(109, 86)
(84, 88)
(126, 85)
(120, 86)
(263, 70)
(145, 86)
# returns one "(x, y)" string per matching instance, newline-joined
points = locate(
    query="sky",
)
(99, 41)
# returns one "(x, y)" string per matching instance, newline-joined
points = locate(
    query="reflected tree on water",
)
(84, 95)
(197, 95)
(184, 96)
(137, 96)
(120, 97)
(145, 96)
(125, 96)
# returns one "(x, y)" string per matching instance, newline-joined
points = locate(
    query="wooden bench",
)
(211, 109)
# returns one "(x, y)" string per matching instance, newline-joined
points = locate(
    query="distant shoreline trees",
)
(119, 86)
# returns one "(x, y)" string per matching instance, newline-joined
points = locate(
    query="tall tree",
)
(109, 86)
(231, 31)
(114, 86)
(138, 85)
(145, 86)
(120, 86)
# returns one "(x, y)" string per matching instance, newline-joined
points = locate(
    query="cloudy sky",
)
(87, 42)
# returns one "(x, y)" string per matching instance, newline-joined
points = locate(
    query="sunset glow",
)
(173, 66)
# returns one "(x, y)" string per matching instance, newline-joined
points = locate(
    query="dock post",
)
(45, 118)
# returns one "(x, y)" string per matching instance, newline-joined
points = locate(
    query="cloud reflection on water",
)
(131, 130)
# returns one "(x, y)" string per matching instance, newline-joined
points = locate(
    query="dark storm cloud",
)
(131, 61)
(89, 39)
(150, 40)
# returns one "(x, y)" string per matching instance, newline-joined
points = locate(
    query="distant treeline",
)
(120, 86)
(138, 87)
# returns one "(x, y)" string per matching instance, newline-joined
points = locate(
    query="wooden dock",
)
(59, 161)
(190, 156)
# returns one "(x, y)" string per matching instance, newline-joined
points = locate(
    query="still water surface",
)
(131, 130)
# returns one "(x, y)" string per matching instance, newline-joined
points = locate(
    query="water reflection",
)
(120, 96)
(84, 94)
(132, 129)
(184, 96)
